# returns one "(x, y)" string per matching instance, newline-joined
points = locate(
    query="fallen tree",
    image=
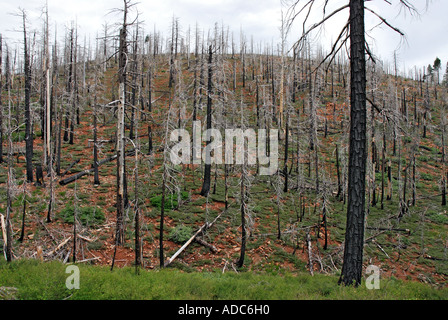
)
(81, 174)
(201, 230)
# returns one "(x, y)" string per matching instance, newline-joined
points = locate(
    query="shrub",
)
(85, 215)
(170, 200)
(180, 234)
(426, 176)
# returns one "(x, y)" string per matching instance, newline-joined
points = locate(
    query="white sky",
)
(426, 36)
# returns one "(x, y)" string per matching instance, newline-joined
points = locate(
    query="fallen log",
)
(434, 258)
(90, 259)
(69, 167)
(202, 229)
(111, 158)
(75, 177)
(63, 243)
(425, 148)
(390, 229)
(81, 174)
(89, 141)
(206, 244)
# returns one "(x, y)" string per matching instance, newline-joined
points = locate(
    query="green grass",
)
(45, 281)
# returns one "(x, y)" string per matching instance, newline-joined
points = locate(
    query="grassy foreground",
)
(47, 281)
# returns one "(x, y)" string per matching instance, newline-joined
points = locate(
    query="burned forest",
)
(201, 150)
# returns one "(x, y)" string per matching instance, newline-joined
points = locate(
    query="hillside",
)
(297, 228)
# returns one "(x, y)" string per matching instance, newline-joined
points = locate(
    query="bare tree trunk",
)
(149, 110)
(96, 179)
(162, 220)
(285, 169)
(339, 194)
(354, 236)
(48, 127)
(207, 172)
(8, 244)
(324, 221)
(243, 216)
(28, 128)
(22, 232)
(120, 131)
(137, 245)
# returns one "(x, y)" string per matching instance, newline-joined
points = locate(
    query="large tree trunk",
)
(354, 236)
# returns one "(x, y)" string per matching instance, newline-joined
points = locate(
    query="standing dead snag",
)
(47, 144)
(7, 234)
(137, 243)
(354, 240)
(354, 32)
(243, 208)
(122, 73)
(207, 171)
(28, 128)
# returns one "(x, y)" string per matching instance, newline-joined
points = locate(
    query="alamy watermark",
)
(235, 144)
(72, 281)
(373, 280)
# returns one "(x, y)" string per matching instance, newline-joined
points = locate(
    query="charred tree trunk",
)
(285, 169)
(207, 171)
(96, 179)
(28, 129)
(339, 194)
(243, 218)
(22, 232)
(354, 236)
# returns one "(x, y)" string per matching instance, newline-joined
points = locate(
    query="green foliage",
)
(426, 176)
(170, 200)
(180, 234)
(439, 217)
(46, 281)
(97, 245)
(88, 216)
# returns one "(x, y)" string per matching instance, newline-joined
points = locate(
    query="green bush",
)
(426, 176)
(180, 234)
(170, 200)
(85, 215)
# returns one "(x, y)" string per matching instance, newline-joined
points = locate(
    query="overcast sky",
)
(426, 35)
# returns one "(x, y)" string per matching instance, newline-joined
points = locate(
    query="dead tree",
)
(122, 75)
(9, 182)
(207, 171)
(354, 32)
(28, 128)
